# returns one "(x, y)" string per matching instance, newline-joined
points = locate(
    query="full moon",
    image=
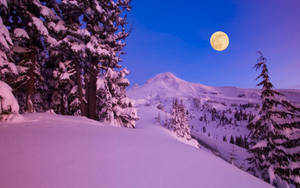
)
(219, 41)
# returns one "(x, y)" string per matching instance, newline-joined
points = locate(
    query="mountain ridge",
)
(173, 86)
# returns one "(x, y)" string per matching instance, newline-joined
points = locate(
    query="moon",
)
(219, 41)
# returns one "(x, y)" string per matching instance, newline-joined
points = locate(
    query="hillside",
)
(47, 150)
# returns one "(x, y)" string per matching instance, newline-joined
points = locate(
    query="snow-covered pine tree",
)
(260, 127)
(8, 69)
(96, 17)
(24, 20)
(62, 89)
(274, 134)
(113, 104)
(286, 157)
(178, 122)
(106, 21)
(68, 59)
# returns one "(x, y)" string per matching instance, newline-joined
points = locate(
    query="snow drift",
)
(49, 150)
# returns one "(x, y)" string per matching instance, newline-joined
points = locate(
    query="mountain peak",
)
(165, 76)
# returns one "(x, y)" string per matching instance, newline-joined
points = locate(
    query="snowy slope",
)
(50, 151)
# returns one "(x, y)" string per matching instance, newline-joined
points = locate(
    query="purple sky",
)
(173, 36)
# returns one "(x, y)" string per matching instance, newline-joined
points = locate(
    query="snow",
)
(18, 32)
(12, 68)
(74, 90)
(260, 144)
(73, 2)
(98, 7)
(271, 174)
(100, 84)
(96, 48)
(48, 150)
(43, 31)
(52, 41)
(3, 2)
(65, 76)
(8, 101)
(9, 107)
(77, 47)
(3, 58)
(47, 12)
(59, 27)
(83, 32)
(5, 39)
(40, 26)
(111, 74)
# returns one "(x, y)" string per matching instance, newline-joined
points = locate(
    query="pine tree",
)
(232, 155)
(8, 70)
(179, 122)
(231, 140)
(24, 20)
(106, 21)
(274, 134)
(68, 59)
(113, 104)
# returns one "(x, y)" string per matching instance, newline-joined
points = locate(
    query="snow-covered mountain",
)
(167, 85)
(218, 112)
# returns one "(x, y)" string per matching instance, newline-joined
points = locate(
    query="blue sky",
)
(173, 36)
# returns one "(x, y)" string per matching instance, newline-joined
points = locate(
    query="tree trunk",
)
(62, 106)
(91, 95)
(80, 92)
(30, 86)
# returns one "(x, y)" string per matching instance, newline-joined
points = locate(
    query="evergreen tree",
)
(106, 21)
(68, 59)
(113, 104)
(8, 70)
(204, 129)
(274, 134)
(24, 20)
(232, 155)
(179, 122)
(231, 140)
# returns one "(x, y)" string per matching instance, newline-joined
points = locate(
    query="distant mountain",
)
(167, 85)
(218, 112)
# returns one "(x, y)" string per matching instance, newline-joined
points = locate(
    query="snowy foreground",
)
(52, 151)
